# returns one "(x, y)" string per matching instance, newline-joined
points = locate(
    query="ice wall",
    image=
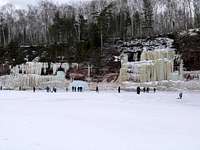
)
(147, 71)
(158, 54)
(28, 81)
(24, 81)
(36, 68)
(29, 75)
(155, 65)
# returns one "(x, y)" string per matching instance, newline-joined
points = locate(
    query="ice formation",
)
(38, 67)
(154, 63)
(24, 81)
(35, 74)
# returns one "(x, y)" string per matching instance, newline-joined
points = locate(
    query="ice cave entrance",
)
(78, 84)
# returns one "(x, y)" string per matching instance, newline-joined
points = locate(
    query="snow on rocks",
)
(147, 45)
(190, 32)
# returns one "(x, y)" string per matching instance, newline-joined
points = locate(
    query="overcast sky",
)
(24, 3)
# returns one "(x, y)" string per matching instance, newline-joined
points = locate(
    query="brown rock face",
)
(188, 45)
(4, 69)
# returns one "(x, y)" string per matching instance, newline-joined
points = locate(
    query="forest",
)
(81, 32)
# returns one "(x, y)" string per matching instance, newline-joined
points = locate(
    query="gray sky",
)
(23, 3)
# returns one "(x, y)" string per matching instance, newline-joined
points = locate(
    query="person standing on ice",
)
(77, 89)
(97, 89)
(54, 89)
(148, 89)
(180, 95)
(119, 89)
(138, 90)
(81, 89)
(47, 89)
(144, 89)
(33, 89)
(1, 88)
(154, 90)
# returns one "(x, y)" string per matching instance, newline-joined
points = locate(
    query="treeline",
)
(82, 29)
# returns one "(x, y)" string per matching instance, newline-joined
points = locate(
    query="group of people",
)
(48, 89)
(145, 90)
(78, 89)
(138, 90)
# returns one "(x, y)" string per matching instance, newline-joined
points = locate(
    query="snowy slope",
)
(104, 121)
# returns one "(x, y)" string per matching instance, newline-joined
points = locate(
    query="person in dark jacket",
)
(144, 89)
(119, 89)
(154, 90)
(34, 89)
(78, 89)
(148, 89)
(138, 90)
(97, 89)
(180, 95)
(54, 89)
(81, 89)
(47, 89)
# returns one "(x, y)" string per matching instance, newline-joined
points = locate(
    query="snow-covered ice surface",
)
(104, 121)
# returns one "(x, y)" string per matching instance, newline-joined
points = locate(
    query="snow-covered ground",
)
(104, 121)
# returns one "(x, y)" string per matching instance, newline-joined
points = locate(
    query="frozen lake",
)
(104, 121)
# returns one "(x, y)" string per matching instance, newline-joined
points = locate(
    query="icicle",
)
(154, 66)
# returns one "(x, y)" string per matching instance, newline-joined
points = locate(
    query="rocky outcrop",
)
(188, 45)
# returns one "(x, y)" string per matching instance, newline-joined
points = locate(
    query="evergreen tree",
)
(103, 18)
